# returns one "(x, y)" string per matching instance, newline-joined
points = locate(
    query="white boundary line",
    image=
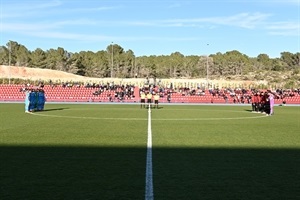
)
(77, 117)
(142, 119)
(207, 119)
(149, 173)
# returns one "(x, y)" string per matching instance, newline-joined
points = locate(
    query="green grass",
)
(99, 152)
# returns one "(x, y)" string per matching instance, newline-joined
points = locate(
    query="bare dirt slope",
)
(27, 73)
(37, 74)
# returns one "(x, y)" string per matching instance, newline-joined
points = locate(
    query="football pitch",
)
(122, 151)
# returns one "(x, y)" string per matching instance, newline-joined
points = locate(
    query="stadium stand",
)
(62, 93)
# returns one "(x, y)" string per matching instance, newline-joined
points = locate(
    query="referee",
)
(143, 97)
(149, 99)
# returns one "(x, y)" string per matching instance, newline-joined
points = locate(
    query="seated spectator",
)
(97, 92)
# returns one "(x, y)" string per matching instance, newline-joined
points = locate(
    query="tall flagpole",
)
(112, 60)
(9, 60)
(207, 69)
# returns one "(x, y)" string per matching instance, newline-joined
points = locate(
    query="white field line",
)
(96, 118)
(207, 119)
(142, 119)
(149, 173)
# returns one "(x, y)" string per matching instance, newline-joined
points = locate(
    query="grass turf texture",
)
(99, 152)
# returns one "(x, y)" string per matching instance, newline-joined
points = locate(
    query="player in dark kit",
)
(156, 99)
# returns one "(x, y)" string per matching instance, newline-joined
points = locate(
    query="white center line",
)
(149, 174)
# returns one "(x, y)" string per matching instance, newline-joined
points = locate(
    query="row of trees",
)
(116, 62)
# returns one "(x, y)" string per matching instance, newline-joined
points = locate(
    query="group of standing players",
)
(147, 99)
(34, 100)
(263, 102)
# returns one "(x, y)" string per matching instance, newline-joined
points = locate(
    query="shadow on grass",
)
(53, 109)
(119, 173)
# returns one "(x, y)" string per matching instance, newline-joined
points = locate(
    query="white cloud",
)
(46, 25)
(77, 22)
(58, 29)
(45, 5)
(14, 9)
(284, 28)
(86, 10)
(69, 36)
(23, 9)
(49, 32)
(243, 20)
(24, 27)
(38, 9)
(97, 38)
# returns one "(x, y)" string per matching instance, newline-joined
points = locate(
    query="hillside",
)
(34, 74)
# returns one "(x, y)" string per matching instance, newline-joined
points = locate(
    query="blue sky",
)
(154, 27)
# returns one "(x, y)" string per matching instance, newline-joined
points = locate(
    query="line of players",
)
(147, 98)
(263, 103)
(34, 100)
